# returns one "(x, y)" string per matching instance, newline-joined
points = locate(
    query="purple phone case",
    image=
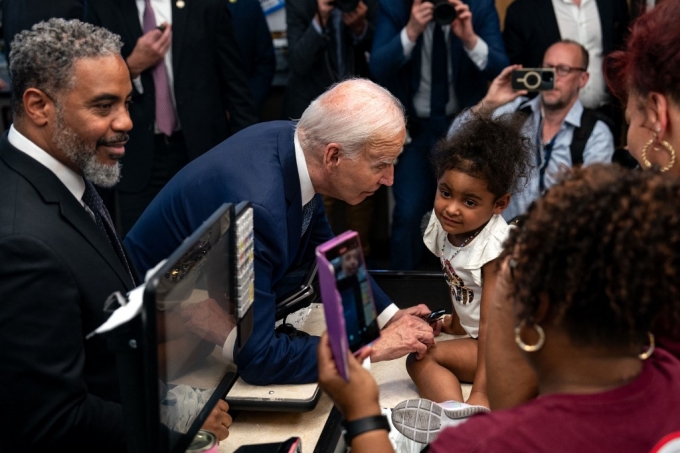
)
(332, 302)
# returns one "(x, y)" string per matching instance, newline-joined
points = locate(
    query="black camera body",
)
(533, 79)
(346, 6)
(444, 12)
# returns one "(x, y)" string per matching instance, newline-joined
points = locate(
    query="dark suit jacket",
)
(312, 56)
(257, 48)
(402, 76)
(19, 15)
(208, 79)
(257, 165)
(56, 271)
(531, 27)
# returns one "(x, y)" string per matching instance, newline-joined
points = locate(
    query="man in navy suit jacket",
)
(405, 51)
(344, 146)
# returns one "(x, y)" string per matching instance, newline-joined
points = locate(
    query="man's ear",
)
(331, 155)
(39, 108)
(585, 75)
(502, 203)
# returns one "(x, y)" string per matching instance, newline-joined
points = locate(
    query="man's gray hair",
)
(44, 57)
(355, 113)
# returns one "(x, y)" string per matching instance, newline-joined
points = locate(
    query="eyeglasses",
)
(563, 69)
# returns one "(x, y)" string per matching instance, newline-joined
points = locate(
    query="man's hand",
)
(324, 8)
(407, 334)
(219, 421)
(357, 398)
(421, 15)
(149, 50)
(356, 20)
(462, 24)
(500, 91)
(208, 320)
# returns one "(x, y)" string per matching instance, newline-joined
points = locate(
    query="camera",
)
(444, 12)
(346, 6)
(533, 79)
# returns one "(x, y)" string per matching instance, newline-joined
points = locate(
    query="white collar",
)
(306, 187)
(72, 180)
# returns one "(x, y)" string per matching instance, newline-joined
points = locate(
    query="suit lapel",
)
(605, 11)
(544, 12)
(180, 18)
(53, 191)
(131, 18)
(291, 187)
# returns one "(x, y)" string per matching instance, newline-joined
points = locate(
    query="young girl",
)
(477, 170)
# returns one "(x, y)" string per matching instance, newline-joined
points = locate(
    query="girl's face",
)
(463, 204)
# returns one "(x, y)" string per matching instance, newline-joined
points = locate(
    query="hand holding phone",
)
(434, 316)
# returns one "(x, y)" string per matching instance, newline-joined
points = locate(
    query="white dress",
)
(464, 272)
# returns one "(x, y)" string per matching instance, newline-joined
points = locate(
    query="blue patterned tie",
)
(101, 216)
(307, 213)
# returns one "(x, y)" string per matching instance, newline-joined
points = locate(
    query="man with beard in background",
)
(564, 132)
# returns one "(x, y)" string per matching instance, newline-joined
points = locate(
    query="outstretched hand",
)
(500, 91)
(406, 334)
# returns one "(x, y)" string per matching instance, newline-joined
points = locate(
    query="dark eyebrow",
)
(472, 195)
(107, 97)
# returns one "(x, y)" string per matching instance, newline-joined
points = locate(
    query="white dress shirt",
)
(583, 26)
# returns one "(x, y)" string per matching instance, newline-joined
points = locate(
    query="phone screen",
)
(361, 318)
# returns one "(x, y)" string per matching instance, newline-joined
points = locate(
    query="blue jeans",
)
(414, 190)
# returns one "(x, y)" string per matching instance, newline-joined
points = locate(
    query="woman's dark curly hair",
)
(604, 246)
(492, 149)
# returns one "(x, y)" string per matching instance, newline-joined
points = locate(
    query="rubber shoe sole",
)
(421, 420)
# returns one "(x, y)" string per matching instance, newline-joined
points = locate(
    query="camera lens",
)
(444, 12)
(532, 80)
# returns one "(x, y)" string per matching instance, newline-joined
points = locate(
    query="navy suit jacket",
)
(60, 391)
(258, 165)
(402, 77)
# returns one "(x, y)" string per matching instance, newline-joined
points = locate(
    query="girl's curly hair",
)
(492, 149)
(604, 246)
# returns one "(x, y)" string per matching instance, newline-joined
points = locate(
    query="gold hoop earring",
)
(669, 148)
(650, 350)
(522, 345)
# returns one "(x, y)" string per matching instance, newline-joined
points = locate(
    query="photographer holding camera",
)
(437, 57)
(565, 133)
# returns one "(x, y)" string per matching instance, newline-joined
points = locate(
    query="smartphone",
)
(434, 316)
(533, 79)
(351, 315)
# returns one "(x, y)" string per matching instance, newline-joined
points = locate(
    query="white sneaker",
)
(421, 420)
(399, 442)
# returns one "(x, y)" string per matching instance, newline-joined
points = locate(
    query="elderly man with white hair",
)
(344, 146)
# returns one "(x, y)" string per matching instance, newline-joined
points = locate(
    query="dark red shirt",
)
(631, 418)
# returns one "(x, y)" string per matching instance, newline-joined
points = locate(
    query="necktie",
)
(439, 93)
(307, 213)
(165, 111)
(338, 29)
(93, 201)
